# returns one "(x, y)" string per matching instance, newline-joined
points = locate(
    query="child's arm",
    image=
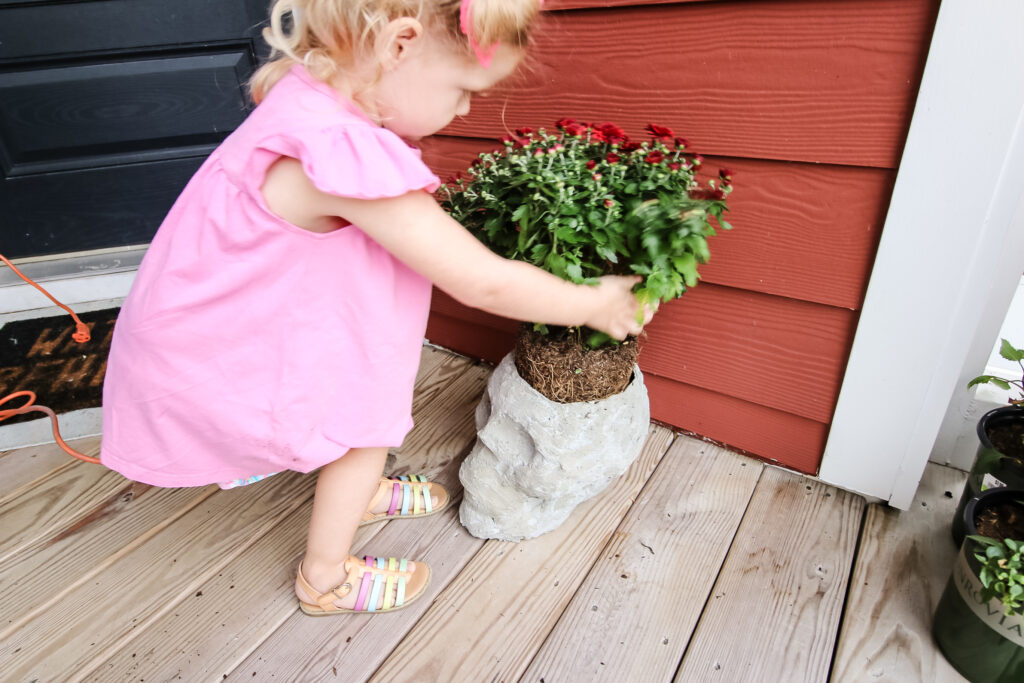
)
(419, 233)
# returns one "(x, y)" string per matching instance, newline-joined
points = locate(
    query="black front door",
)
(107, 107)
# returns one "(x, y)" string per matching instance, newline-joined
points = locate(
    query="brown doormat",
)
(39, 355)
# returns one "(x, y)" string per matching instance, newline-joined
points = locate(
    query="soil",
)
(1002, 521)
(1008, 439)
(564, 370)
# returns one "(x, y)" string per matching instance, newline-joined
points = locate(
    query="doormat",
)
(39, 355)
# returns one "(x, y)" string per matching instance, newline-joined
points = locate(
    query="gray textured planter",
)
(535, 459)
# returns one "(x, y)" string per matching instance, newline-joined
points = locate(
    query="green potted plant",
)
(1000, 458)
(978, 624)
(581, 201)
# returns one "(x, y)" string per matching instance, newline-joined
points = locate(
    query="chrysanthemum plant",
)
(587, 201)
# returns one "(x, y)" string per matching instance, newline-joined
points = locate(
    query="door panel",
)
(107, 107)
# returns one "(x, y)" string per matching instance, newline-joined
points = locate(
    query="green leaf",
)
(556, 264)
(1009, 352)
(686, 264)
(606, 253)
(994, 552)
(989, 379)
(596, 339)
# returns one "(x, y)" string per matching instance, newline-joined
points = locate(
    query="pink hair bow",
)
(483, 54)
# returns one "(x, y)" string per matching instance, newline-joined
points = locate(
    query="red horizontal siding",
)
(783, 354)
(803, 231)
(830, 82)
(771, 434)
(754, 356)
(791, 440)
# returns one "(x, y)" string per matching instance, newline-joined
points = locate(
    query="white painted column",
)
(951, 253)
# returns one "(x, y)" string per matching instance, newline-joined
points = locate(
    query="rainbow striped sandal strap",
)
(384, 582)
(381, 585)
(406, 496)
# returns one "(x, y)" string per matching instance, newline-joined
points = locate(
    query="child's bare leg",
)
(343, 492)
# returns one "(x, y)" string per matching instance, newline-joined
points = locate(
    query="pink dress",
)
(248, 345)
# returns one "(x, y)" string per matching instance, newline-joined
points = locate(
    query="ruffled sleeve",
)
(353, 160)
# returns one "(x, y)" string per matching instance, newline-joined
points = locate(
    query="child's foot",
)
(406, 497)
(365, 584)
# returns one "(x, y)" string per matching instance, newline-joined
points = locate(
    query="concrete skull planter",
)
(536, 459)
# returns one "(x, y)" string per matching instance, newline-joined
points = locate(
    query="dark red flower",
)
(524, 132)
(608, 203)
(660, 132)
(612, 158)
(591, 164)
(562, 124)
(597, 136)
(725, 174)
(613, 133)
(682, 143)
(655, 157)
(575, 129)
(706, 193)
(675, 166)
(629, 147)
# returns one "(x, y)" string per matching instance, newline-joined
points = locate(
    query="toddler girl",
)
(277, 320)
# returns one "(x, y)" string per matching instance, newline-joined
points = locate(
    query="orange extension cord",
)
(81, 335)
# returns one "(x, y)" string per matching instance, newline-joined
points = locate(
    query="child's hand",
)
(616, 313)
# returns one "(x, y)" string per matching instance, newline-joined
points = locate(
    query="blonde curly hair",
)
(328, 36)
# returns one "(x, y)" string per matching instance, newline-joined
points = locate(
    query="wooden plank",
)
(58, 502)
(205, 636)
(354, 646)
(489, 623)
(783, 79)
(303, 648)
(62, 561)
(774, 611)
(904, 561)
(778, 353)
(789, 238)
(25, 468)
(776, 436)
(632, 617)
(152, 579)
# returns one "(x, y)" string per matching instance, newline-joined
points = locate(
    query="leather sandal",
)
(410, 497)
(374, 578)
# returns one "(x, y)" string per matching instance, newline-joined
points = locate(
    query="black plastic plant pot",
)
(991, 469)
(977, 637)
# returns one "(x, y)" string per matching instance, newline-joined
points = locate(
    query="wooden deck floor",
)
(697, 565)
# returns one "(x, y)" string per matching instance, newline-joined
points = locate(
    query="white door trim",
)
(951, 253)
